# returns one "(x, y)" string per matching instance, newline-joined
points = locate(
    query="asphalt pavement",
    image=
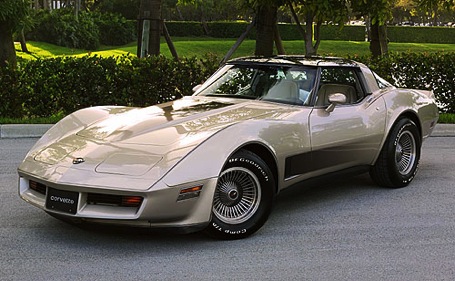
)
(341, 229)
(14, 131)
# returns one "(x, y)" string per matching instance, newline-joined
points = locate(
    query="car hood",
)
(167, 123)
(140, 144)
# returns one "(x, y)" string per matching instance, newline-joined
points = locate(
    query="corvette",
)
(216, 160)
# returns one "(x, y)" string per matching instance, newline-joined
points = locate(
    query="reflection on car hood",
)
(170, 122)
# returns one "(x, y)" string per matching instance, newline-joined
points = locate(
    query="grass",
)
(446, 118)
(189, 47)
(41, 120)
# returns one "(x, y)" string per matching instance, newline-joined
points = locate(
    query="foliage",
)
(403, 34)
(432, 8)
(88, 31)
(60, 27)
(418, 34)
(380, 11)
(13, 11)
(129, 9)
(446, 118)
(52, 87)
(10, 92)
(114, 29)
(58, 86)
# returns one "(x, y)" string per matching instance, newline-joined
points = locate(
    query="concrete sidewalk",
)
(36, 131)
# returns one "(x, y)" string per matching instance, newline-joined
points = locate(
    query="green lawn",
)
(189, 47)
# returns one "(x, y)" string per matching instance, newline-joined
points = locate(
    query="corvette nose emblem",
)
(78, 160)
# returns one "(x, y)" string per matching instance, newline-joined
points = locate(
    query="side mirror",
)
(334, 99)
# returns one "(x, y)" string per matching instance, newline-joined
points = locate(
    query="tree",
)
(432, 8)
(317, 11)
(12, 12)
(378, 12)
(403, 10)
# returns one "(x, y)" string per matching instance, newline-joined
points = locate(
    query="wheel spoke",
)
(237, 195)
(405, 154)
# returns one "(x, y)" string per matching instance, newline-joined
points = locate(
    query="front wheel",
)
(243, 197)
(399, 158)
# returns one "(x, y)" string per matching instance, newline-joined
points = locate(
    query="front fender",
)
(207, 160)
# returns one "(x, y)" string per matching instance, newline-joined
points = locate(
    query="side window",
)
(292, 86)
(340, 80)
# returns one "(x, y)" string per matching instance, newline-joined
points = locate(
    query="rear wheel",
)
(399, 158)
(243, 197)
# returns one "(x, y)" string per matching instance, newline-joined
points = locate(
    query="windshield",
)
(291, 85)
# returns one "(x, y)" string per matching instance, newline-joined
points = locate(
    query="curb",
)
(14, 131)
(444, 130)
(23, 130)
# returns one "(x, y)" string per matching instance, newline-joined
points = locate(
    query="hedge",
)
(421, 34)
(59, 86)
(399, 34)
(88, 31)
(235, 29)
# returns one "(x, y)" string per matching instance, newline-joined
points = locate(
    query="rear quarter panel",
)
(418, 105)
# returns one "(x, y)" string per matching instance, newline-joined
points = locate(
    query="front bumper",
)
(161, 206)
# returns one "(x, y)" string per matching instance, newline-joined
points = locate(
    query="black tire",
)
(244, 197)
(398, 161)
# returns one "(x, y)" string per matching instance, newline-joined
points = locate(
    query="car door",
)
(351, 134)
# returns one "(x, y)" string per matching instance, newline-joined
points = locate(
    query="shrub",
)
(114, 30)
(60, 27)
(10, 93)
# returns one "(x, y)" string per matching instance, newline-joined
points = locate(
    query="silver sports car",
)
(216, 160)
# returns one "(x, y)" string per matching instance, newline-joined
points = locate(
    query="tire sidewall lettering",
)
(229, 231)
(252, 163)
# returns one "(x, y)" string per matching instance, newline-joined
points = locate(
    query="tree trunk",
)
(23, 42)
(278, 42)
(169, 42)
(309, 48)
(7, 51)
(378, 43)
(265, 26)
(149, 28)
